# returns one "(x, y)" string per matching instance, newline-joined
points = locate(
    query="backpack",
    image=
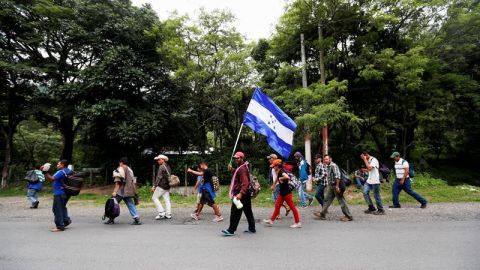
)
(254, 186)
(384, 172)
(32, 176)
(73, 182)
(411, 172)
(345, 178)
(173, 180)
(112, 209)
(293, 182)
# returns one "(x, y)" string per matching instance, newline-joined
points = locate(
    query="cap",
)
(161, 157)
(239, 155)
(395, 154)
(276, 162)
(272, 156)
(297, 154)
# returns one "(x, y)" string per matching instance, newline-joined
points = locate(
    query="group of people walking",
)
(325, 173)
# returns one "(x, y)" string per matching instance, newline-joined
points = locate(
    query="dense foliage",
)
(91, 81)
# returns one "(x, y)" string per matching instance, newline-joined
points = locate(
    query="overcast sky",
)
(255, 18)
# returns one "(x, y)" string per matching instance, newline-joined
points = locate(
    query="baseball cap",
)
(272, 156)
(276, 162)
(395, 154)
(239, 155)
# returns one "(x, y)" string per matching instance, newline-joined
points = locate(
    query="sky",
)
(255, 18)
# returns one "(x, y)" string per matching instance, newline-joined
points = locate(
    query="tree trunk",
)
(68, 135)
(7, 161)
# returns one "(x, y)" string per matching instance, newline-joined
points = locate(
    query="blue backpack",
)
(411, 172)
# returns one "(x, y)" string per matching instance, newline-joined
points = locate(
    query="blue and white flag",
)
(265, 117)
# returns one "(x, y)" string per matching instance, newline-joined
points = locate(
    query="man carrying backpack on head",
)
(403, 182)
(35, 185)
(60, 199)
(372, 183)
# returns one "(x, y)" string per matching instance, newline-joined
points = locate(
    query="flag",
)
(265, 117)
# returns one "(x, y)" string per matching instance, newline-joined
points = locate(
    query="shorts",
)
(206, 198)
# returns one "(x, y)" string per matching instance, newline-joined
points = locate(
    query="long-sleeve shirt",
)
(333, 173)
(321, 174)
(241, 181)
(162, 179)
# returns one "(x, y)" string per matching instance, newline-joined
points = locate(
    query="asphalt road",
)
(444, 236)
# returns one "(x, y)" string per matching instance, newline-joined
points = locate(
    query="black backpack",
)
(385, 172)
(73, 182)
(344, 180)
(112, 209)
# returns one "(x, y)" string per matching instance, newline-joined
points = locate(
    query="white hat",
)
(161, 157)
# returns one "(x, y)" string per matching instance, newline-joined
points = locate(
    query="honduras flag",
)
(265, 117)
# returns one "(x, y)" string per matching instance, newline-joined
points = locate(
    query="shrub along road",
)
(443, 236)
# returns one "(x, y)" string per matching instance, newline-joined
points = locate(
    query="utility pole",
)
(322, 80)
(308, 137)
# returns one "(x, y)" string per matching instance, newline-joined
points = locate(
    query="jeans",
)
(302, 194)
(236, 214)
(160, 192)
(320, 194)
(32, 195)
(275, 193)
(130, 205)
(60, 212)
(330, 195)
(376, 193)
(360, 182)
(407, 186)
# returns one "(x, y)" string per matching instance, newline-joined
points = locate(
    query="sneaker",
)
(168, 216)
(322, 217)
(268, 222)
(249, 231)
(423, 206)
(226, 232)
(394, 206)
(296, 225)
(370, 211)
(379, 212)
(160, 216)
(109, 221)
(194, 216)
(345, 219)
(34, 205)
(136, 221)
(217, 219)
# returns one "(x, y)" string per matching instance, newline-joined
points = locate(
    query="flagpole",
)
(236, 142)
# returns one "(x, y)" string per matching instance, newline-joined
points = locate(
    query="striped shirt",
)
(400, 166)
(333, 173)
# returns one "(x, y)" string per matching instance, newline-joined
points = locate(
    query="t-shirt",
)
(59, 177)
(207, 176)
(400, 166)
(374, 174)
(284, 188)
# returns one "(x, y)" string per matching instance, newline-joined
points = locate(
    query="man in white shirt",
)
(372, 183)
(402, 182)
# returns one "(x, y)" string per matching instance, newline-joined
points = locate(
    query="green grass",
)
(435, 190)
